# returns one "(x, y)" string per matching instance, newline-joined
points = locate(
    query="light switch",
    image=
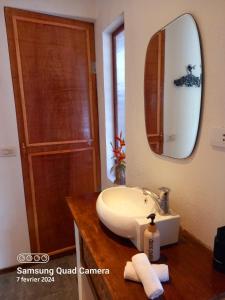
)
(217, 137)
(7, 151)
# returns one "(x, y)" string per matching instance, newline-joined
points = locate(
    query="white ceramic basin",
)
(119, 207)
(123, 210)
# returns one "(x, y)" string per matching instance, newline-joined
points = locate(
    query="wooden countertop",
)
(190, 263)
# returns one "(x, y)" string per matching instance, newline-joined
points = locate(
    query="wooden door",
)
(55, 95)
(154, 91)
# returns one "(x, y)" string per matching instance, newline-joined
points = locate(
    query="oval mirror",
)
(173, 87)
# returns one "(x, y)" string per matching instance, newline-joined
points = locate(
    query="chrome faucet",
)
(161, 200)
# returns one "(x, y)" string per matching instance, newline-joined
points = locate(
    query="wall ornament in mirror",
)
(188, 80)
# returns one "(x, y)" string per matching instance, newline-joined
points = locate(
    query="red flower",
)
(119, 154)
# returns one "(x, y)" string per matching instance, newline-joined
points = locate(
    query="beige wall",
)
(13, 227)
(197, 183)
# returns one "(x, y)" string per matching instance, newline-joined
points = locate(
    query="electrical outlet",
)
(7, 151)
(217, 137)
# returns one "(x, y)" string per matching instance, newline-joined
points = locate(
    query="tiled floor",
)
(64, 287)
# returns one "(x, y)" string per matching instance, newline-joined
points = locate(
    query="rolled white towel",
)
(161, 270)
(147, 275)
(130, 273)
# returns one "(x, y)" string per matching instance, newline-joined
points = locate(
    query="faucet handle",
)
(164, 200)
(164, 193)
(164, 189)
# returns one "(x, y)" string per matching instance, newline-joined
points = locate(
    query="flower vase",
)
(120, 175)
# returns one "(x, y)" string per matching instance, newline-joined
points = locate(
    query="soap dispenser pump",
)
(152, 240)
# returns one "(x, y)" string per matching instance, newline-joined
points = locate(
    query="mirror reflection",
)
(173, 87)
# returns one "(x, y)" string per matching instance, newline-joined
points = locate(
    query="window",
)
(118, 67)
(113, 38)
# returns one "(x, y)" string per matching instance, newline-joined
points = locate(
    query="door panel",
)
(56, 104)
(55, 58)
(52, 171)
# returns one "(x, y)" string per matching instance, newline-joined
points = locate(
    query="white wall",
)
(197, 183)
(13, 221)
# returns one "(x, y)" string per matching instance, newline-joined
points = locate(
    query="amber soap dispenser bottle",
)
(152, 240)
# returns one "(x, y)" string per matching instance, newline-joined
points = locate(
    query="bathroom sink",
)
(123, 210)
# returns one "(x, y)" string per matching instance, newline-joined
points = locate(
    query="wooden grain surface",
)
(154, 91)
(56, 105)
(192, 276)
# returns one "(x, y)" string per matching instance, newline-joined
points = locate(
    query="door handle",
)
(89, 142)
(23, 148)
